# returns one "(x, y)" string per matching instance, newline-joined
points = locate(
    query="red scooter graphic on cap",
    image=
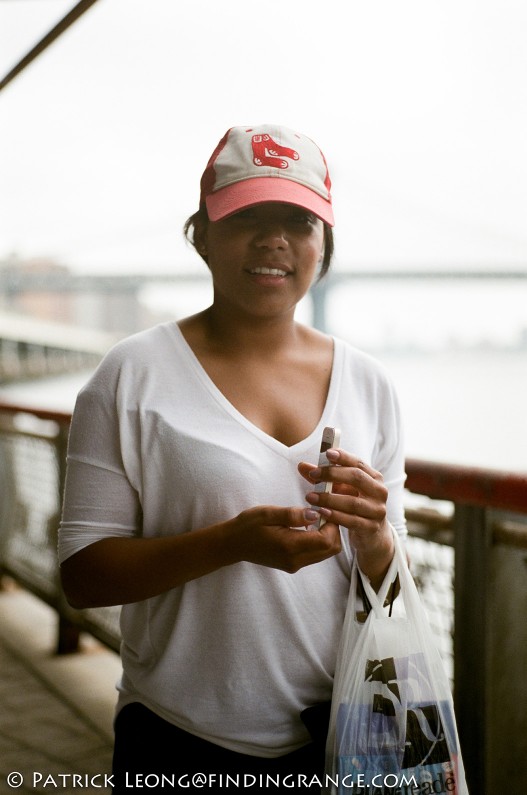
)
(267, 152)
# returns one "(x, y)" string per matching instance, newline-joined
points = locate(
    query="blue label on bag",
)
(356, 777)
(372, 754)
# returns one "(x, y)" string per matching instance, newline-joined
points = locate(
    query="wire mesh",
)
(432, 567)
(30, 509)
(29, 519)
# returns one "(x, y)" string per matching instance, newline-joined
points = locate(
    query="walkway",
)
(55, 712)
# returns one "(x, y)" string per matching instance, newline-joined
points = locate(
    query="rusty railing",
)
(468, 546)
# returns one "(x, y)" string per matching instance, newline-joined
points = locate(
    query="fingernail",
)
(312, 497)
(324, 511)
(315, 473)
(310, 514)
(333, 455)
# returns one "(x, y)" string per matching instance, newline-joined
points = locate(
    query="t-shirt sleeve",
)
(99, 500)
(389, 456)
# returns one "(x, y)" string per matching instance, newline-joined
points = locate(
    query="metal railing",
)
(32, 469)
(468, 544)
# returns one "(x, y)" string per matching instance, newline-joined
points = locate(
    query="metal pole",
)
(48, 39)
(319, 292)
(472, 544)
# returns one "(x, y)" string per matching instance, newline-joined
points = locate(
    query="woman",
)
(189, 495)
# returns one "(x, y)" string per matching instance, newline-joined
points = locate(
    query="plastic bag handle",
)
(397, 565)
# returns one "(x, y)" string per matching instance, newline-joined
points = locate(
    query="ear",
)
(200, 238)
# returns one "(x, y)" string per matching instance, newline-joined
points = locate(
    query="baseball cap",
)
(267, 163)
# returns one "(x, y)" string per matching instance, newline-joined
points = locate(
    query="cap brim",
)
(249, 192)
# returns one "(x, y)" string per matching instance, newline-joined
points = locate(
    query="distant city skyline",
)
(394, 311)
(420, 108)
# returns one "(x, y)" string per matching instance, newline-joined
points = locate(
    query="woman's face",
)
(264, 259)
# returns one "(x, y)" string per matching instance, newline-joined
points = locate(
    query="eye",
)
(244, 215)
(302, 217)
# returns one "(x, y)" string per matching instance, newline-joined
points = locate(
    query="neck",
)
(250, 335)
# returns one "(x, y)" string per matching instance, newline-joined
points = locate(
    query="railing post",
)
(472, 544)
(68, 633)
(319, 293)
(507, 706)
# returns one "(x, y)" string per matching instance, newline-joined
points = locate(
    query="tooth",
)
(269, 271)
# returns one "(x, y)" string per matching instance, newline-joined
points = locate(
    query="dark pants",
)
(152, 755)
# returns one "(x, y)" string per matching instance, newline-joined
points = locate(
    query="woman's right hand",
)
(115, 571)
(281, 539)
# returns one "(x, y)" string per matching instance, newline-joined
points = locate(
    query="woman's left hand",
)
(358, 502)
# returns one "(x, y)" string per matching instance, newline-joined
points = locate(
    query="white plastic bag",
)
(392, 725)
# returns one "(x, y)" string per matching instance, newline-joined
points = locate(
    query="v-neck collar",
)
(283, 449)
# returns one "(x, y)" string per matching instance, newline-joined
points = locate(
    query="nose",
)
(272, 235)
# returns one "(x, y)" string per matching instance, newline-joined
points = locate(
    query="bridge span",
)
(18, 280)
(112, 302)
(115, 298)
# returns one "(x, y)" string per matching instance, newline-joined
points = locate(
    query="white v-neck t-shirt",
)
(156, 449)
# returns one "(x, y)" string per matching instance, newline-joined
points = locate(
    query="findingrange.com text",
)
(389, 784)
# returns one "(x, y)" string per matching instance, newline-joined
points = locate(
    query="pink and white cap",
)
(252, 165)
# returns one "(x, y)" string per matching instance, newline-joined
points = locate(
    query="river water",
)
(467, 407)
(458, 407)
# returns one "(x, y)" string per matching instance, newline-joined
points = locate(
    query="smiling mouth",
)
(268, 271)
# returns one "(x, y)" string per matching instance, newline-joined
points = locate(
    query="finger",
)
(278, 516)
(305, 468)
(345, 488)
(357, 524)
(314, 475)
(351, 479)
(342, 505)
(330, 534)
(304, 548)
(343, 458)
(320, 544)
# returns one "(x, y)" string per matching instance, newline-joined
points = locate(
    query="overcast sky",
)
(420, 107)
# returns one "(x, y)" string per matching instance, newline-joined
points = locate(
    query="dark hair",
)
(196, 225)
